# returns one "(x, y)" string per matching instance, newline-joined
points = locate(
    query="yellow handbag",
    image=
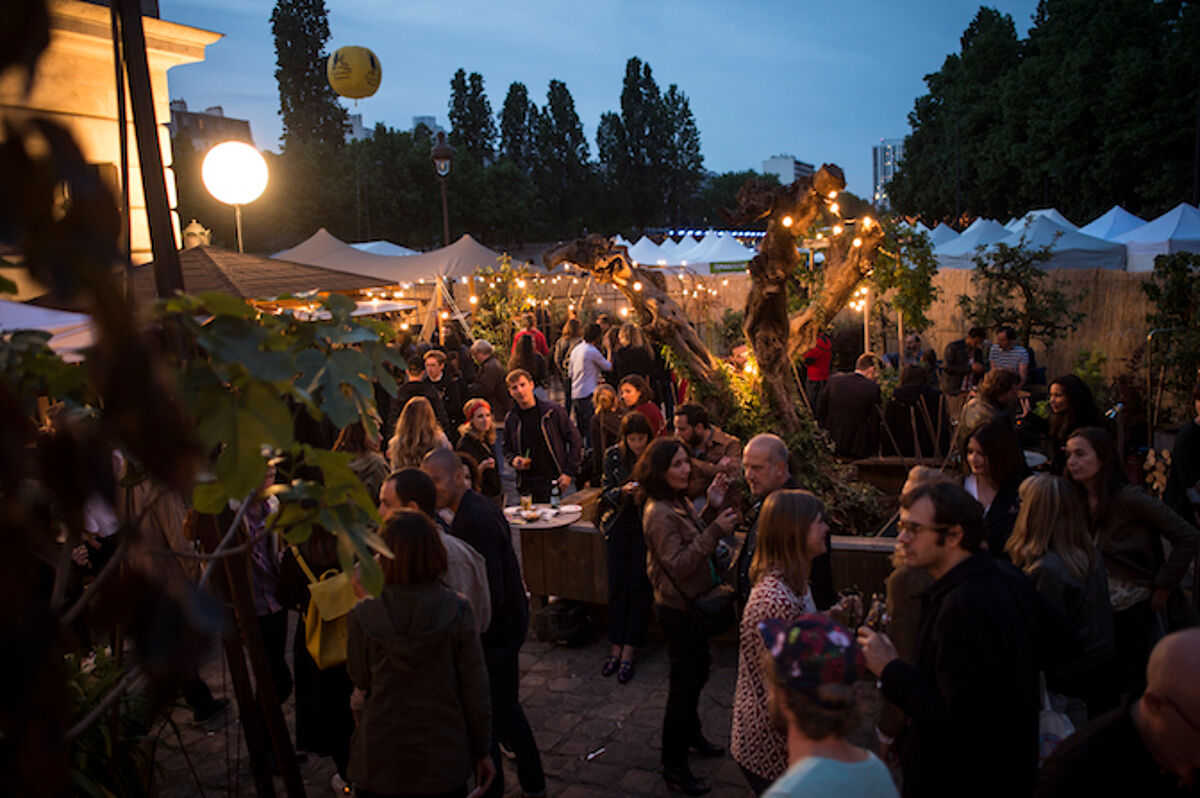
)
(331, 599)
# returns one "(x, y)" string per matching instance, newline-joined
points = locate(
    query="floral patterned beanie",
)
(811, 652)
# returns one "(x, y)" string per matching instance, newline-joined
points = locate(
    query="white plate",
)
(570, 508)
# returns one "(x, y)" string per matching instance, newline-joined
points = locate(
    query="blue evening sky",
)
(818, 80)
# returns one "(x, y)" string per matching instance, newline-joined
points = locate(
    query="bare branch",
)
(106, 573)
(206, 556)
(225, 541)
(127, 681)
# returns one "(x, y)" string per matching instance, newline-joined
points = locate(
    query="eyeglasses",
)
(908, 527)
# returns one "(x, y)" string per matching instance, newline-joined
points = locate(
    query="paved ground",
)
(575, 714)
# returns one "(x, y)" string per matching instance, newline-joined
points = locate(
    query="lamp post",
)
(235, 174)
(442, 154)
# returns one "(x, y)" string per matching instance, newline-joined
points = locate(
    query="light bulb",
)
(857, 242)
(234, 173)
(474, 300)
(637, 286)
(787, 221)
(833, 207)
(837, 229)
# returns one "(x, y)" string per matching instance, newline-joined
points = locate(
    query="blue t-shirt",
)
(817, 777)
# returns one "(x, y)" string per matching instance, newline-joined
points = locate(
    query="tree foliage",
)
(1011, 287)
(310, 110)
(1174, 294)
(472, 128)
(518, 116)
(1096, 106)
(905, 263)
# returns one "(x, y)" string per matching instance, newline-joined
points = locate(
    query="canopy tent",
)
(1177, 230)
(689, 251)
(1041, 213)
(674, 251)
(621, 241)
(248, 276)
(980, 221)
(942, 234)
(960, 253)
(461, 259)
(920, 227)
(717, 251)
(1069, 249)
(70, 333)
(384, 248)
(1112, 224)
(647, 253)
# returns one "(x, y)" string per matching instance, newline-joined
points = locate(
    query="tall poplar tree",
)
(472, 126)
(517, 118)
(685, 163)
(561, 166)
(310, 110)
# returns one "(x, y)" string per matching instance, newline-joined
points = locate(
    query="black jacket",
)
(1085, 603)
(820, 580)
(849, 410)
(406, 391)
(489, 478)
(956, 365)
(562, 438)
(1001, 516)
(615, 502)
(480, 523)
(451, 394)
(972, 696)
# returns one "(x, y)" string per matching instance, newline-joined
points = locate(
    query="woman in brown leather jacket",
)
(680, 570)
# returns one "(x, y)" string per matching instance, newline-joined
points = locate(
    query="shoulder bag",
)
(331, 597)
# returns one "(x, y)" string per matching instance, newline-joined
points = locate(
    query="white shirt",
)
(586, 365)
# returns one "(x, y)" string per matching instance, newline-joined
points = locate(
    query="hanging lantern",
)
(354, 72)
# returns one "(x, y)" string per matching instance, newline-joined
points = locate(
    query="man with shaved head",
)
(479, 522)
(1149, 746)
(765, 463)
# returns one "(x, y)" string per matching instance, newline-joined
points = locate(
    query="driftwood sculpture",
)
(646, 290)
(775, 337)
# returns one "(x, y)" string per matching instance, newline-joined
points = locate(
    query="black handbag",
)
(713, 609)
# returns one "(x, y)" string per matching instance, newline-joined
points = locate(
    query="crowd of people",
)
(1014, 594)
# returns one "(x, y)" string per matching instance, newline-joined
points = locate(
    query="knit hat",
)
(813, 651)
(474, 404)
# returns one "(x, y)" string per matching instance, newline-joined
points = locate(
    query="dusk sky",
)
(820, 81)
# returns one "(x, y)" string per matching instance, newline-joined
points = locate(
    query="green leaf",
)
(221, 304)
(339, 305)
(209, 498)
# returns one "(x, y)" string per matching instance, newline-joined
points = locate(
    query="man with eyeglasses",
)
(1149, 746)
(972, 696)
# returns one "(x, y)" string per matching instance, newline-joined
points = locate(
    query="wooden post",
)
(168, 278)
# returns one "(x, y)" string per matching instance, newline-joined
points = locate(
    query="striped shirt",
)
(1010, 359)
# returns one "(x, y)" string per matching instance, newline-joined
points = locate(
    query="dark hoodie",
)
(416, 653)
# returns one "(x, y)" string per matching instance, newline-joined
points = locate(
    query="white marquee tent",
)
(461, 259)
(716, 251)
(1177, 230)
(647, 253)
(1069, 249)
(384, 248)
(71, 333)
(1017, 225)
(1113, 223)
(942, 234)
(960, 253)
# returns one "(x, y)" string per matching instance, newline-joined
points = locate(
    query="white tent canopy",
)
(1069, 249)
(71, 333)
(384, 248)
(1017, 225)
(647, 253)
(960, 253)
(717, 250)
(942, 234)
(1177, 230)
(463, 258)
(1113, 223)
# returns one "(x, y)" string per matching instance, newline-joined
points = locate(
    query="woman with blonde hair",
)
(417, 434)
(1050, 543)
(605, 426)
(791, 532)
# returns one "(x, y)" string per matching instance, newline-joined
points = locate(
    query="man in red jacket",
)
(817, 362)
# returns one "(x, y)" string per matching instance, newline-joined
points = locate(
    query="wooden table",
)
(549, 517)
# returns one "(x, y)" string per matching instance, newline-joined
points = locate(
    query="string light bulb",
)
(834, 207)
(474, 300)
(857, 242)
(787, 221)
(867, 222)
(624, 312)
(520, 283)
(833, 195)
(837, 229)
(637, 286)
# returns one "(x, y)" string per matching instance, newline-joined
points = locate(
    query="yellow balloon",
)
(354, 72)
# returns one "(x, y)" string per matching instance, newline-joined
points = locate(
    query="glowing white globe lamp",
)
(235, 174)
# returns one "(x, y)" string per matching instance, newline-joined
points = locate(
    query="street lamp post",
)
(442, 154)
(235, 174)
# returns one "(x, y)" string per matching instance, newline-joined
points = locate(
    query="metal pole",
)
(867, 321)
(445, 217)
(237, 214)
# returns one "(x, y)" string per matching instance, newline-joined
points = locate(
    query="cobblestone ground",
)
(575, 714)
